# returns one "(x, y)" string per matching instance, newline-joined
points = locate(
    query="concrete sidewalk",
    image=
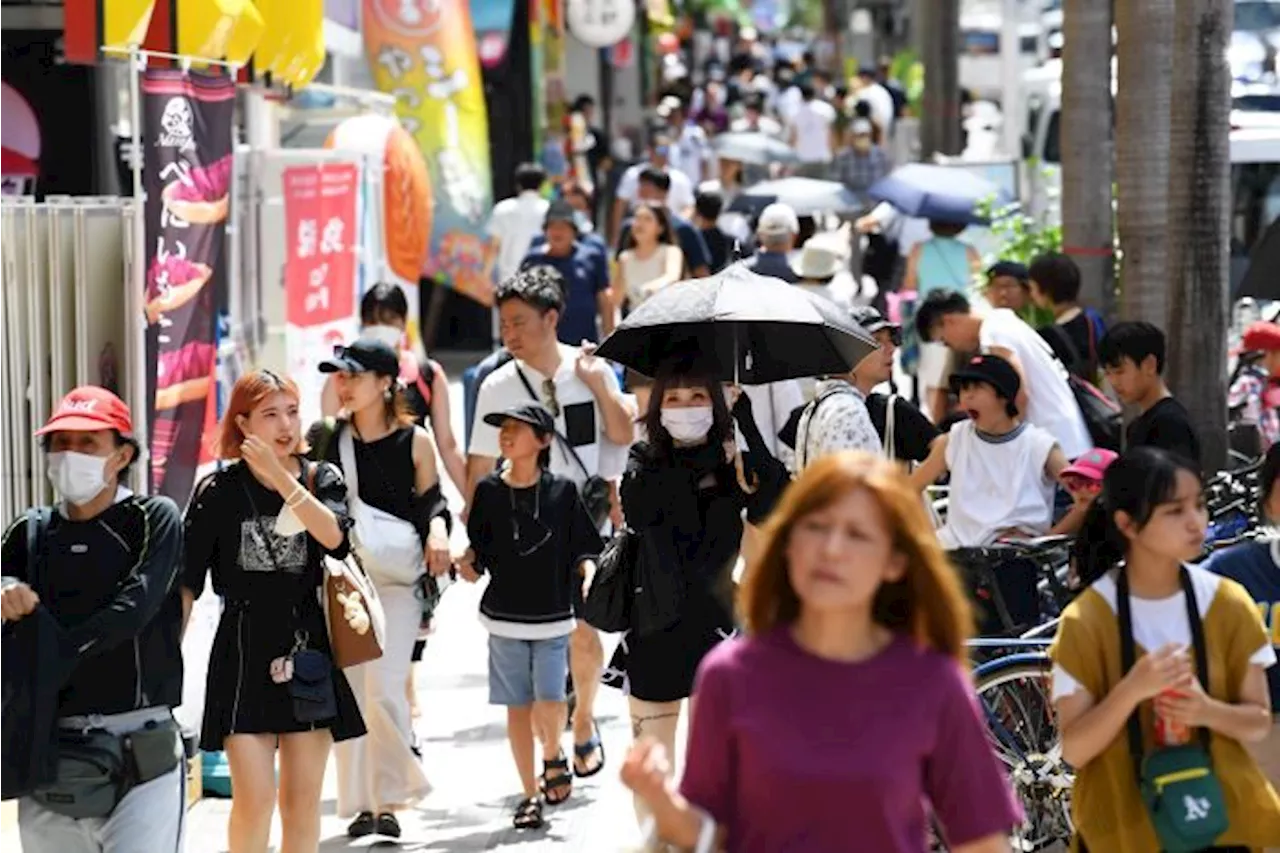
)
(467, 760)
(464, 750)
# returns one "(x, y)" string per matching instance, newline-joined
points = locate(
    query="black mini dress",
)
(271, 587)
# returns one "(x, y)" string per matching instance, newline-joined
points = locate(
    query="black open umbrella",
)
(1262, 279)
(747, 328)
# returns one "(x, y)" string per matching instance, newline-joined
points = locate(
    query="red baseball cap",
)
(1261, 337)
(89, 409)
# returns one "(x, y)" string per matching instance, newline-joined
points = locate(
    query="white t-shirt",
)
(771, 406)
(997, 483)
(679, 199)
(812, 122)
(514, 223)
(578, 417)
(881, 104)
(694, 150)
(1160, 621)
(1050, 403)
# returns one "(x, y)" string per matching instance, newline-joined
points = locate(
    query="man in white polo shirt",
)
(581, 391)
(1045, 397)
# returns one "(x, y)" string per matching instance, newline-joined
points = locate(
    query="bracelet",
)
(297, 496)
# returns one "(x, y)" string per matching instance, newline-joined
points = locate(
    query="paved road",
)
(466, 758)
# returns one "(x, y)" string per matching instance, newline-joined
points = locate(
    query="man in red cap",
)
(92, 646)
(1254, 397)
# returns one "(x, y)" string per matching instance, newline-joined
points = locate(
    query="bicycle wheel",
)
(1016, 697)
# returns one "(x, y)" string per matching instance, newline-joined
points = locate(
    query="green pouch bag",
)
(153, 751)
(1182, 794)
(1184, 798)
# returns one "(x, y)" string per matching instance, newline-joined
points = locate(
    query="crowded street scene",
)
(728, 426)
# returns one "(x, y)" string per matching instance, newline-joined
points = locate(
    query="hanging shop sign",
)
(322, 223)
(187, 121)
(601, 23)
(424, 53)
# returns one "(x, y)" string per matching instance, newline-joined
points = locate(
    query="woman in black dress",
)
(682, 492)
(263, 525)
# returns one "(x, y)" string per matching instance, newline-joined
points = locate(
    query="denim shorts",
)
(524, 671)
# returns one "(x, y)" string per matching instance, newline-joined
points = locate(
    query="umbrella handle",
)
(751, 488)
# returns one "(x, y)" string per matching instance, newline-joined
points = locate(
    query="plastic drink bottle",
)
(1168, 732)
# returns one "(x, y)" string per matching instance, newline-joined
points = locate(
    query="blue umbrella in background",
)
(945, 193)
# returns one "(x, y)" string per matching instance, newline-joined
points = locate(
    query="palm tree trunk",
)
(940, 118)
(1086, 146)
(1144, 59)
(1199, 219)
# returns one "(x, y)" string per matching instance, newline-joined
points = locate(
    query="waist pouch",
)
(1184, 798)
(96, 768)
(311, 687)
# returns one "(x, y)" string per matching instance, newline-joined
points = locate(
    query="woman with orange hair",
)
(263, 525)
(847, 712)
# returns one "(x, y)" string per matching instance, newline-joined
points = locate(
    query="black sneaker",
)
(363, 825)
(388, 825)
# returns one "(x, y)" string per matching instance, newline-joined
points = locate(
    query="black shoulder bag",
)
(1182, 794)
(595, 490)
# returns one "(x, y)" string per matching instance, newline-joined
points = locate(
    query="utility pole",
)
(939, 33)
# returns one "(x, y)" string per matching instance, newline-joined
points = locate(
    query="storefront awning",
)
(219, 29)
(119, 23)
(285, 37)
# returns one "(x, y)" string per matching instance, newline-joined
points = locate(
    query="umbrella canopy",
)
(945, 193)
(1262, 279)
(806, 196)
(760, 149)
(746, 328)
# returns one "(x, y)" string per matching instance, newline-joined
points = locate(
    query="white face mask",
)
(78, 477)
(389, 335)
(688, 424)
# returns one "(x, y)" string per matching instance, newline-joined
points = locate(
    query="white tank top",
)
(997, 483)
(639, 273)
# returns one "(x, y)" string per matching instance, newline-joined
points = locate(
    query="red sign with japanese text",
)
(320, 218)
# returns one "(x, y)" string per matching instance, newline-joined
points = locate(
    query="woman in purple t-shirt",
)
(847, 714)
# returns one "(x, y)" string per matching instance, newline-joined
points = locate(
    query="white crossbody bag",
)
(388, 546)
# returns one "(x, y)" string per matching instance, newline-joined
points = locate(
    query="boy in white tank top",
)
(1003, 470)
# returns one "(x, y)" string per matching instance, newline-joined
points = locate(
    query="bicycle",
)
(1015, 693)
(1012, 599)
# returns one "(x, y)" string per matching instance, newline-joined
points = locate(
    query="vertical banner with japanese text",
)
(321, 214)
(424, 53)
(187, 120)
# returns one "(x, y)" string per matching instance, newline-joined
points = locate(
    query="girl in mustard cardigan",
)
(1147, 523)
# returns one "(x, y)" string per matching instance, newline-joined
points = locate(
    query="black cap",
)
(363, 356)
(871, 319)
(1013, 269)
(991, 369)
(533, 414)
(561, 211)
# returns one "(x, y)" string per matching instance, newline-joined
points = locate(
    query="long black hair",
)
(1136, 484)
(666, 235)
(684, 374)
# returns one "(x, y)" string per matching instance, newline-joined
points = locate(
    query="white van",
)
(1255, 175)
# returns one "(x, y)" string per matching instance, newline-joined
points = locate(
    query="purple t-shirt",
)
(790, 752)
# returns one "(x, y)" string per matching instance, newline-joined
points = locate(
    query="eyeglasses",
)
(549, 391)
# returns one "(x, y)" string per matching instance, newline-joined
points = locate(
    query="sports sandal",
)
(528, 814)
(583, 754)
(555, 778)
